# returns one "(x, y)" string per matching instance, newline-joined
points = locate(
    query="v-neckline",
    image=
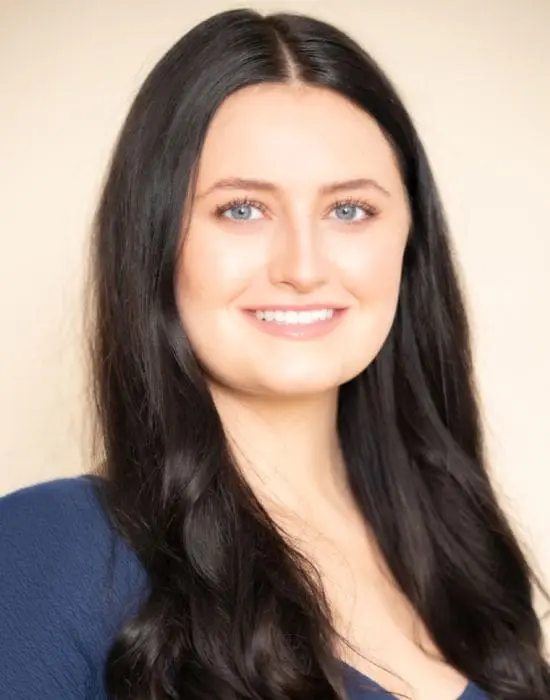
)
(373, 685)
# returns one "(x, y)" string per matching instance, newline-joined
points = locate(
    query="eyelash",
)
(368, 208)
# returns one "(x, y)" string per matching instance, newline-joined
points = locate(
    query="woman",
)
(292, 483)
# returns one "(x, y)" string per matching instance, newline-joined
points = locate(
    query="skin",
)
(295, 244)
(298, 251)
(278, 395)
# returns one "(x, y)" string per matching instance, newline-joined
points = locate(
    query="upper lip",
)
(294, 307)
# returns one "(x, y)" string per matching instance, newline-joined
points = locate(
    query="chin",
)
(297, 383)
(285, 378)
(296, 390)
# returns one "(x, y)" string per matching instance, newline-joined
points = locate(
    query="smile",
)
(296, 324)
(295, 317)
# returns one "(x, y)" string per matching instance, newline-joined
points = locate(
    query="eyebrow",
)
(239, 183)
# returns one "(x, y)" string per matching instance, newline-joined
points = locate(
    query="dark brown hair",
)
(233, 612)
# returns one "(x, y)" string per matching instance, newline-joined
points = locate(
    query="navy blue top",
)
(57, 619)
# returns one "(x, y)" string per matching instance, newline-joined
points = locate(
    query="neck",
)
(286, 448)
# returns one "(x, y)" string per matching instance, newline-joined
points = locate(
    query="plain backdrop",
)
(476, 78)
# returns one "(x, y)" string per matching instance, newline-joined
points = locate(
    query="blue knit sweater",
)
(57, 619)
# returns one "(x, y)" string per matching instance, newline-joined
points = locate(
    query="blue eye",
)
(245, 210)
(352, 212)
(241, 211)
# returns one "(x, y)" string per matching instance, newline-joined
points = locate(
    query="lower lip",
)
(297, 331)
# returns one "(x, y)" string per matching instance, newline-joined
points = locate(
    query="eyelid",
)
(367, 207)
(239, 202)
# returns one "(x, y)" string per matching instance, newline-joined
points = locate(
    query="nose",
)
(297, 258)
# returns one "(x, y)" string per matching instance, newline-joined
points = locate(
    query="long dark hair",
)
(233, 610)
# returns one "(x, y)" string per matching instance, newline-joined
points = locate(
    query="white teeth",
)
(295, 317)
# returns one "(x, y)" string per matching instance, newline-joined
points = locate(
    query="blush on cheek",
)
(217, 265)
(375, 277)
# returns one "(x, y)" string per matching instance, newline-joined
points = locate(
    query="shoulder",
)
(67, 581)
(58, 531)
(58, 518)
(52, 504)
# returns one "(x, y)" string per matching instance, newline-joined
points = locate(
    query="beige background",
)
(476, 77)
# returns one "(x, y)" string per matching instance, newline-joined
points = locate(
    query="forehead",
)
(294, 135)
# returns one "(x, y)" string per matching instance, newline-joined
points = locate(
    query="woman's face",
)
(299, 212)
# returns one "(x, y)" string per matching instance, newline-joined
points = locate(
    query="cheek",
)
(372, 276)
(372, 272)
(213, 270)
